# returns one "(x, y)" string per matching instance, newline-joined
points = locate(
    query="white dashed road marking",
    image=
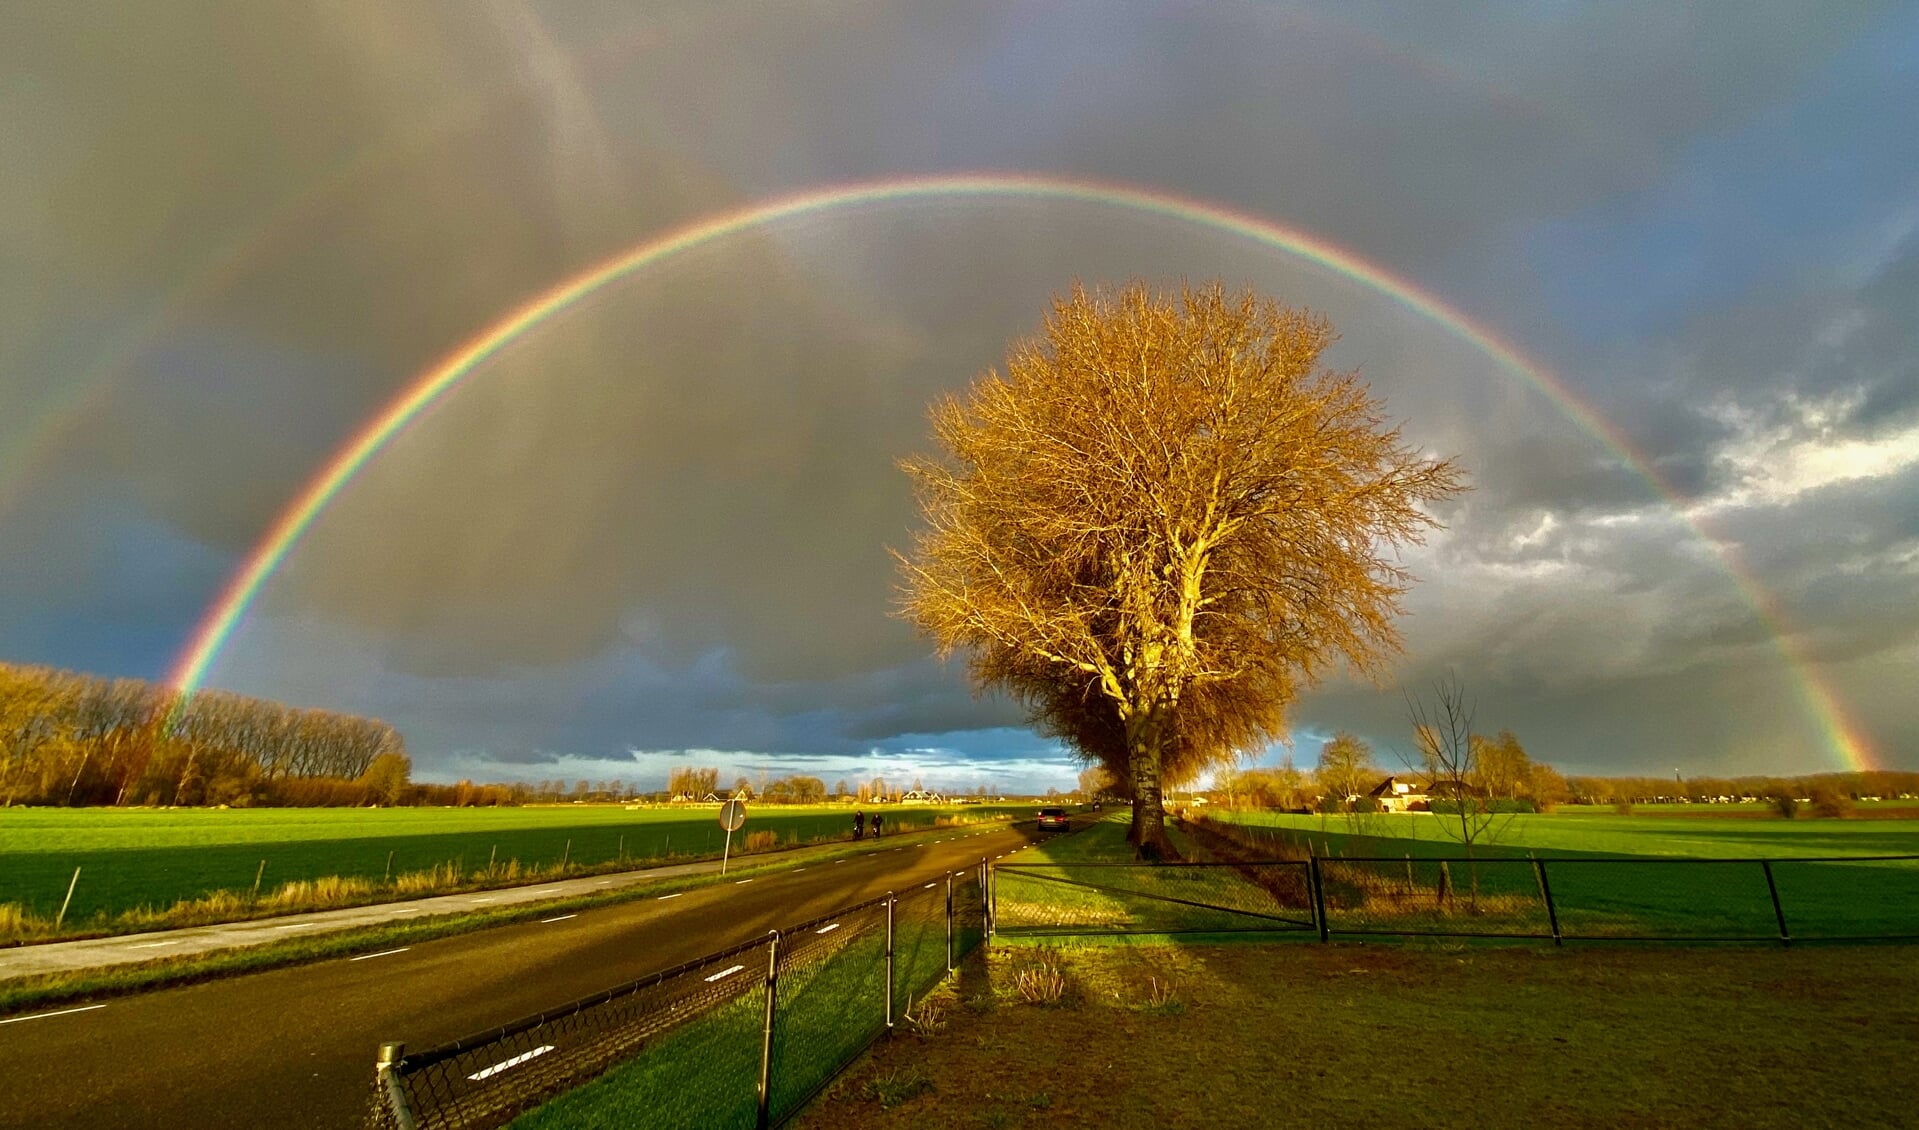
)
(152, 945)
(561, 918)
(828, 928)
(382, 953)
(516, 1061)
(727, 972)
(296, 925)
(742, 882)
(44, 1015)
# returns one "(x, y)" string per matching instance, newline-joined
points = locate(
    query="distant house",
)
(682, 798)
(1395, 795)
(921, 796)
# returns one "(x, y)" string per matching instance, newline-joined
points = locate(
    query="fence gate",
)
(1038, 899)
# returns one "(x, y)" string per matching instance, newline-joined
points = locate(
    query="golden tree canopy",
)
(1166, 499)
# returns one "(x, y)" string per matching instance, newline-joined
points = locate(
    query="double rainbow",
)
(1845, 740)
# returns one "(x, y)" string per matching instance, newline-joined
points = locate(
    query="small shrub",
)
(891, 1088)
(1784, 805)
(762, 841)
(1623, 808)
(1830, 803)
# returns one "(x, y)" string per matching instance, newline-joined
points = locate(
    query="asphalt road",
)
(295, 1046)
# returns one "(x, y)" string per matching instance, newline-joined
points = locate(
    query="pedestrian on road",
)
(876, 825)
(859, 824)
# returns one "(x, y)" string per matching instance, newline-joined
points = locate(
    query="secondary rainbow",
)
(224, 615)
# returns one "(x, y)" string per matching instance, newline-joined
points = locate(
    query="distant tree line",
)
(1498, 772)
(73, 739)
(1886, 784)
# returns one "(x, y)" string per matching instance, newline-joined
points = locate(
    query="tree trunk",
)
(1145, 740)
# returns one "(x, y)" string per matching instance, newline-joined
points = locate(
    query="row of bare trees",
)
(1885, 784)
(73, 739)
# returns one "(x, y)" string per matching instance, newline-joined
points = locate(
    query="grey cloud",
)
(660, 519)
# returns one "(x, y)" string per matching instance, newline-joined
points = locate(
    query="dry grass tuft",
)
(1039, 976)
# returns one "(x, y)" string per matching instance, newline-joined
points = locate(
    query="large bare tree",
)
(1164, 493)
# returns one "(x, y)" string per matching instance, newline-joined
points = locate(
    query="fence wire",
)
(1572, 898)
(1484, 898)
(1170, 898)
(688, 1046)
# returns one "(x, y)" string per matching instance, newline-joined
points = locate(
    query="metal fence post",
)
(1778, 912)
(985, 904)
(387, 1075)
(766, 1029)
(992, 901)
(1546, 893)
(1319, 896)
(949, 922)
(890, 900)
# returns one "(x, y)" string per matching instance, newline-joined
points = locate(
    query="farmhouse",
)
(1395, 795)
(921, 796)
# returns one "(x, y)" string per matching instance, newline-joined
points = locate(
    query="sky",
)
(653, 528)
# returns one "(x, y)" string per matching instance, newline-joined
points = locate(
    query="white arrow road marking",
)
(514, 1062)
(44, 1015)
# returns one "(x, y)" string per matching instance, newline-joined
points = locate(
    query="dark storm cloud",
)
(660, 520)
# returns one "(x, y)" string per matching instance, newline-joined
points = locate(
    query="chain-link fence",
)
(739, 1038)
(1579, 899)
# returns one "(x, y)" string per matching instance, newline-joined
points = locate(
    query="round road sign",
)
(732, 815)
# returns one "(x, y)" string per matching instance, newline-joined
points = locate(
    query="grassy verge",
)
(1361, 1035)
(828, 1009)
(24, 993)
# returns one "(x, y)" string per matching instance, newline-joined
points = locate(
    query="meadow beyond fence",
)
(739, 1038)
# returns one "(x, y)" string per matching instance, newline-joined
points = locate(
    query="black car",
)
(1052, 820)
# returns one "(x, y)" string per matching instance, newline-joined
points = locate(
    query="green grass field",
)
(132, 858)
(1603, 833)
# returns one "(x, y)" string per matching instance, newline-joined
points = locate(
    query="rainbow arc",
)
(203, 647)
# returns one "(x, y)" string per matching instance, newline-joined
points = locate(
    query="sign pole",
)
(732, 815)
